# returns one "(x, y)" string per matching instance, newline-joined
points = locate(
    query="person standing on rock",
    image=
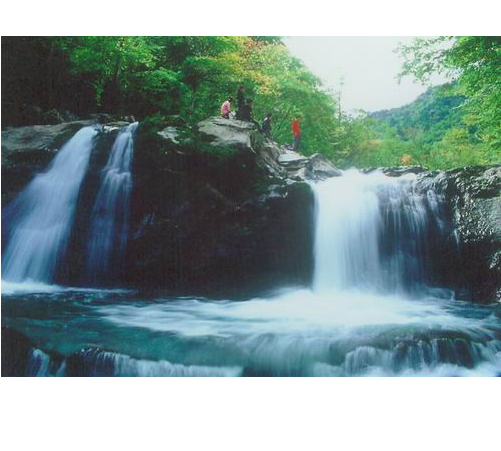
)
(226, 108)
(248, 113)
(296, 133)
(240, 102)
(266, 126)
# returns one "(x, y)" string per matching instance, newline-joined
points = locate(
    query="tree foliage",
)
(188, 76)
(474, 62)
(431, 131)
(457, 124)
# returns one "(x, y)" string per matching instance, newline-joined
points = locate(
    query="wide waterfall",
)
(38, 222)
(110, 215)
(374, 233)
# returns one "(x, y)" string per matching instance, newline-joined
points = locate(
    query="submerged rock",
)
(20, 358)
(16, 348)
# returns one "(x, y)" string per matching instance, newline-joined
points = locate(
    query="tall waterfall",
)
(110, 214)
(374, 232)
(39, 220)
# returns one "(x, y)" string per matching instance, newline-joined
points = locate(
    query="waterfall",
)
(39, 220)
(110, 214)
(374, 233)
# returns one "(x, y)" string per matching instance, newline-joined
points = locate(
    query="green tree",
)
(475, 63)
(188, 76)
(108, 64)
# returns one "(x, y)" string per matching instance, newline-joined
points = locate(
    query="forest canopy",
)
(453, 125)
(188, 76)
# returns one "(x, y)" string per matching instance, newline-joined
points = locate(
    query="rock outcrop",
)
(28, 150)
(214, 211)
(473, 196)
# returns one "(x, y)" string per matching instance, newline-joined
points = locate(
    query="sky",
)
(367, 66)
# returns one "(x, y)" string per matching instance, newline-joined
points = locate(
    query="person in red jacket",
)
(296, 132)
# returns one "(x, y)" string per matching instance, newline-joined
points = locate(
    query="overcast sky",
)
(367, 65)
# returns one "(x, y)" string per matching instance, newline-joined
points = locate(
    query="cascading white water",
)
(39, 220)
(371, 232)
(110, 215)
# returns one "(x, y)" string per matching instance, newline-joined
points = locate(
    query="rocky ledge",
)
(28, 150)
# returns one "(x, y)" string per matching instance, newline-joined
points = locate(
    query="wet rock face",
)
(211, 245)
(214, 212)
(473, 196)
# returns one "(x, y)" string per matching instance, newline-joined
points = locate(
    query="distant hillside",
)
(432, 114)
(435, 131)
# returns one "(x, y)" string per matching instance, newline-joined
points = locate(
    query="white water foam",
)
(370, 253)
(110, 215)
(31, 287)
(40, 218)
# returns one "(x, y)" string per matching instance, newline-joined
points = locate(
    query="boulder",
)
(53, 116)
(292, 160)
(20, 357)
(320, 168)
(228, 132)
(300, 167)
(397, 171)
(16, 349)
(114, 125)
(203, 241)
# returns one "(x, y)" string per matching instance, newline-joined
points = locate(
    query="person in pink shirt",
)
(226, 108)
